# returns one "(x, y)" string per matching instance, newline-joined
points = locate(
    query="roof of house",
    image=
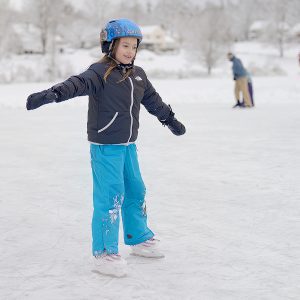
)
(259, 25)
(150, 29)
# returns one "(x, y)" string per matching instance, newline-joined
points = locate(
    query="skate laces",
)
(149, 243)
(149, 248)
(109, 257)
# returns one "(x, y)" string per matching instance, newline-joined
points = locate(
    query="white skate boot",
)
(148, 248)
(111, 264)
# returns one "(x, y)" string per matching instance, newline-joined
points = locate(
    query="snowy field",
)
(223, 199)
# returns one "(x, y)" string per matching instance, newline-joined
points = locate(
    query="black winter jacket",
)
(114, 105)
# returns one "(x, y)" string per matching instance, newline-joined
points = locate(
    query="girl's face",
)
(126, 50)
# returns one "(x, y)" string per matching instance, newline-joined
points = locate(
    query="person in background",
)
(241, 82)
(250, 88)
(116, 89)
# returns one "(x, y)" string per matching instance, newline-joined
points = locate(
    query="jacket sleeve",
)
(86, 83)
(153, 102)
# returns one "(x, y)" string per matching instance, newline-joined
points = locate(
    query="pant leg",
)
(250, 88)
(108, 193)
(237, 90)
(243, 83)
(134, 215)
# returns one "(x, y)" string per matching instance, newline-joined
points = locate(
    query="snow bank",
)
(261, 60)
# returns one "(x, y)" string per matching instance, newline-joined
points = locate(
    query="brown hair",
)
(112, 64)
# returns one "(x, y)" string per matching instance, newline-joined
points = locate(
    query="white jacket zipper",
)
(131, 105)
(110, 122)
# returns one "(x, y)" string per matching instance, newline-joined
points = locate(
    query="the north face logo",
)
(138, 78)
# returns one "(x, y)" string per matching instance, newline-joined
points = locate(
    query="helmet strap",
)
(111, 46)
(123, 67)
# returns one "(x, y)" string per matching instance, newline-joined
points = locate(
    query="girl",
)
(116, 88)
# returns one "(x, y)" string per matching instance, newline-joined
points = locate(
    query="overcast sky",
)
(18, 3)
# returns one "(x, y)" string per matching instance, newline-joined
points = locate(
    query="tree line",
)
(205, 29)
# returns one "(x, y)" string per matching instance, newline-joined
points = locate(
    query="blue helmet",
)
(116, 29)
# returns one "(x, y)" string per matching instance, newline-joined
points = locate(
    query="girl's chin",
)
(126, 61)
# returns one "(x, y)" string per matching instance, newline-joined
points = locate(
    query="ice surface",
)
(224, 199)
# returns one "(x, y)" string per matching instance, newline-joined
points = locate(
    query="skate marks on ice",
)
(232, 235)
(97, 272)
(134, 259)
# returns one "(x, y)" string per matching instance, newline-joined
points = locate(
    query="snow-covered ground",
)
(260, 59)
(223, 199)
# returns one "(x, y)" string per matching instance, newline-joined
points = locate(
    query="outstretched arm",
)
(155, 106)
(86, 83)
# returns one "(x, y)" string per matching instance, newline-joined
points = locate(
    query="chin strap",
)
(123, 67)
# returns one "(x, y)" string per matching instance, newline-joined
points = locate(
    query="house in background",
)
(261, 29)
(155, 38)
(295, 32)
(257, 29)
(26, 38)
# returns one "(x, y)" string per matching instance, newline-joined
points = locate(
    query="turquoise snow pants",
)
(117, 185)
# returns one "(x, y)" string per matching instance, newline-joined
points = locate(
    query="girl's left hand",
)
(38, 99)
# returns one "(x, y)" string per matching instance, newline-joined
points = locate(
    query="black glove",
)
(38, 99)
(173, 124)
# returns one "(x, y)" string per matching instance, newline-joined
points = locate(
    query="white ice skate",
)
(148, 248)
(111, 264)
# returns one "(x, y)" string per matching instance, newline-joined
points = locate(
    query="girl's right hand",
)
(173, 124)
(38, 99)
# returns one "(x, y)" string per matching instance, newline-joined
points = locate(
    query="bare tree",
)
(97, 12)
(47, 15)
(130, 9)
(293, 11)
(176, 16)
(187, 11)
(7, 38)
(277, 30)
(242, 15)
(211, 36)
(166, 14)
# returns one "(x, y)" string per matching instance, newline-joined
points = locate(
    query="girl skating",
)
(116, 88)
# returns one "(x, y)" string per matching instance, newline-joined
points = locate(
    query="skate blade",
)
(123, 275)
(148, 255)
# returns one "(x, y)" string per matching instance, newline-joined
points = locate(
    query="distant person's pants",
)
(241, 85)
(250, 88)
(117, 185)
